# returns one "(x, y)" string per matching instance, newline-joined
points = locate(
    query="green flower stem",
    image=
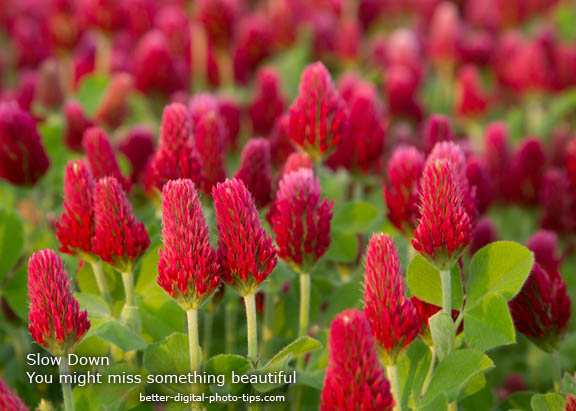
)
(268, 328)
(66, 388)
(102, 283)
(446, 292)
(304, 312)
(556, 370)
(453, 406)
(250, 303)
(194, 345)
(392, 372)
(231, 313)
(129, 315)
(430, 371)
(128, 280)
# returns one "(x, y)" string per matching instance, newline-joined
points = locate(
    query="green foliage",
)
(115, 332)
(11, 241)
(91, 91)
(548, 402)
(225, 364)
(412, 370)
(355, 217)
(443, 333)
(343, 247)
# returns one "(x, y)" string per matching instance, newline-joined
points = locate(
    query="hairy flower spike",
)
(354, 380)
(256, 170)
(23, 160)
(210, 135)
(401, 188)
(301, 219)
(541, 310)
(392, 316)
(188, 267)
(245, 250)
(56, 322)
(294, 162)
(101, 156)
(267, 103)
(318, 116)
(119, 239)
(138, 147)
(9, 400)
(176, 156)
(75, 228)
(444, 229)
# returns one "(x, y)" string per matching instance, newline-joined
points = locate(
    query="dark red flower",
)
(56, 322)
(176, 157)
(119, 239)
(138, 147)
(267, 103)
(425, 311)
(76, 124)
(497, 154)
(444, 34)
(256, 170)
(301, 219)
(401, 188)
(484, 233)
(230, 111)
(436, 129)
(444, 229)
(318, 116)
(101, 157)
(245, 250)
(479, 180)
(401, 86)
(471, 100)
(544, 244)
(75, 228)
(49, 88)
(114, 105)
(354, 379)
(23, 160)
(105, 15)
(570, 403)
(280, 144)
(392, 316)
(188, 269)
(571, 160)
(253, 43)
(557, 201)
(9, 400)
(219, 18)
(527, 169)
(541, 310)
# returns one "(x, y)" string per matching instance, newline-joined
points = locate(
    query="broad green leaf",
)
(355, 217)
(454, 372)
(489, 324)
(225, 364)
(347, 295)
(343, 247)
(424, 282)
(11, 241)
(95, 304)
(91, 91)
(548, 402)
(16, 292)
(500, 267)
(115, 332)
(314, 379)
(443, 335)
(518, 401)
(169, 356)
(569, 384)
(412, 370)
(301, 345)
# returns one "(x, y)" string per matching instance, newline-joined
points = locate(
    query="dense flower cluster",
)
(9, 400)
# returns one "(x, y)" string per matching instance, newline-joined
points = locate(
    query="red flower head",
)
(245, 250)
(570, 403)
(444, 229)
(362, 144)
(114, 105)
(445, 34)
(268, 101)
(301, 219)
(101, 157)
(401, 188)
(231, 112)
(138, 147)
(437, 129)
(280, 143)
(56, 322)
(541, 310)
(479, 180)
(49, 90)
(23, 160)
(528, 165)
(571, 160)
(453, 153)
(484, 233)
(544, 245)
(210, 139)
(156, 69)
(318, 116)
(252, 45)
(9, 400)
(76, 225)
(219, 18)
(471, 100)
(176, 156)
(188, 267)
(557, 201)
(119, 239)
(256, 170)
(497, 154)
(76, 124)
(105, 15)
(425, 311)
(295, 162)
(354, 380)
(401, 86)
(393, 317)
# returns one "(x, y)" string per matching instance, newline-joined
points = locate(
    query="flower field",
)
(287, 205)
